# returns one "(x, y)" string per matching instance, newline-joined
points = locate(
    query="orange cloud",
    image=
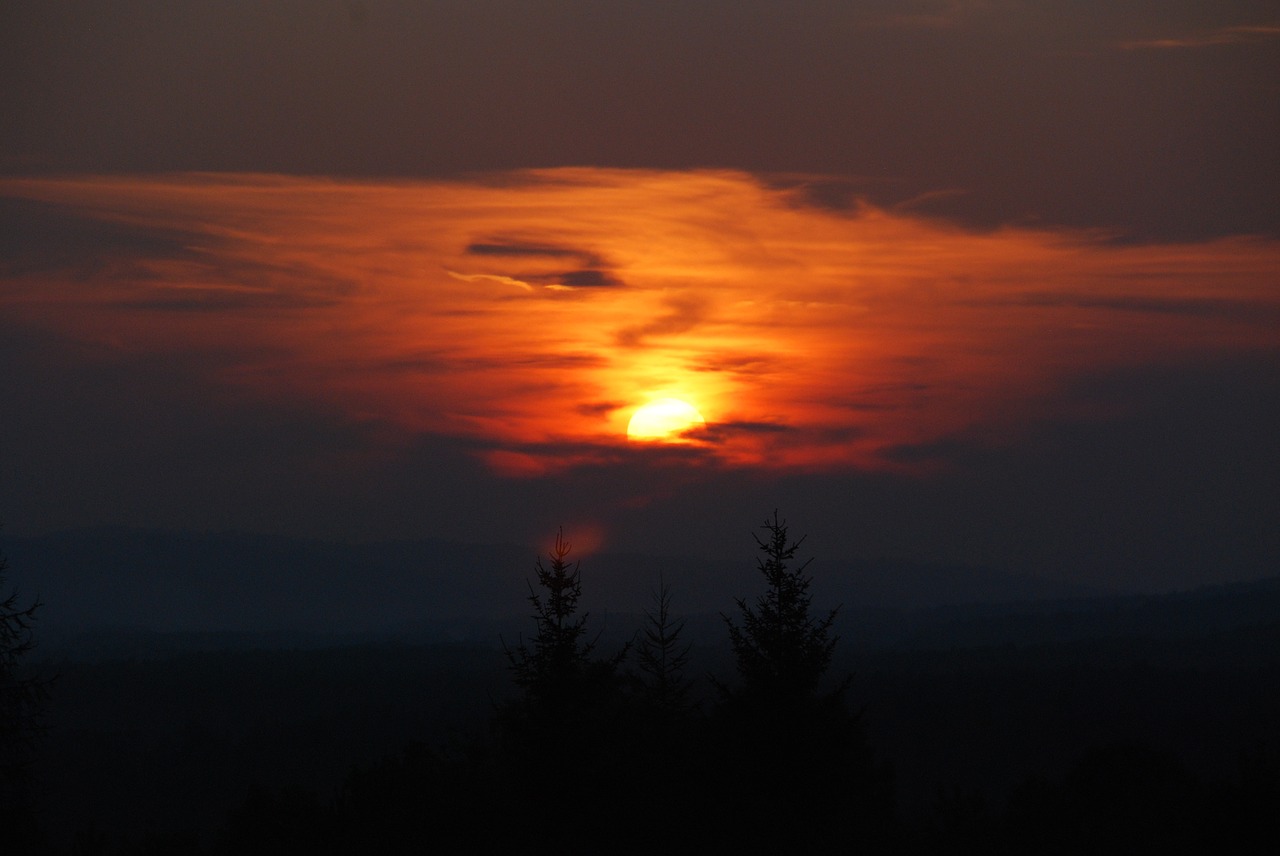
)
(533, 312)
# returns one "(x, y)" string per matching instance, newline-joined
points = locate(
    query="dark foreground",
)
(1164, 738)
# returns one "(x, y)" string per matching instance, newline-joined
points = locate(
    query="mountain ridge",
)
(113, 578)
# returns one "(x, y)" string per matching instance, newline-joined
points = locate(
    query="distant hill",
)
(1181, 626)
(191, 582)
(270, 588)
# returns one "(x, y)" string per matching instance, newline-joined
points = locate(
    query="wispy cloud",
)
(809, 336)
(680, 315)
(1195, 307)
(1246, 34)
(490, 277)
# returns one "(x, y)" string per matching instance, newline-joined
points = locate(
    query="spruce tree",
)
(661, 655)
(780, 650)
(563, 736)
(797, 773)
(552, 668)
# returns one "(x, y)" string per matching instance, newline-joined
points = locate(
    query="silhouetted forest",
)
(1072, 727)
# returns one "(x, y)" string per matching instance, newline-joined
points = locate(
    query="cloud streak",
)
(810, 337)
(1247, 34)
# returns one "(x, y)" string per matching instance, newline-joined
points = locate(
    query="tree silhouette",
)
(796, 771)
(562, 737)
(553, 669)
(22, 698)
(780, 650)
(662, 657)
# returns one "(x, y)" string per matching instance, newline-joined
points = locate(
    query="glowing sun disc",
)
(666, 419)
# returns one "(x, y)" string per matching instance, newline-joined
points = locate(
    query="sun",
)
(665, 420)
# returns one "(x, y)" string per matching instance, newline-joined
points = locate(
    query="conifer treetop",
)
(780, 649)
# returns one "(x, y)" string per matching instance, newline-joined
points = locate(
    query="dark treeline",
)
(613, 751)
(22, 697)
(632, 748)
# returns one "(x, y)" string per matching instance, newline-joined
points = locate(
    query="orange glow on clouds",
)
(533, 312)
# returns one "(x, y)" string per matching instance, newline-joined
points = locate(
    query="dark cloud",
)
(944, 450)
(1029, 108)
(505, 249)
(722, 429)
(1178, 484)
(588, 279)
(1215, 38)
(591, 274)
(1194, 307)
(123, 438)
(225, 300)
(840, 195)
(579, 360)
(839, 434)
(38, 237)
(441, 362)
(429, 361)
(598, 408)
(684, 313)
(882, 396)
(742, 364)
(778, 434)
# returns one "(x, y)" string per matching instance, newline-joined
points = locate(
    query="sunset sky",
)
(984, 283)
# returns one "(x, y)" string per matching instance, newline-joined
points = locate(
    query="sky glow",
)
(532, 312)
(983, 282)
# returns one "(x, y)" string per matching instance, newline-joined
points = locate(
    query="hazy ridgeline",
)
(1056, 725)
